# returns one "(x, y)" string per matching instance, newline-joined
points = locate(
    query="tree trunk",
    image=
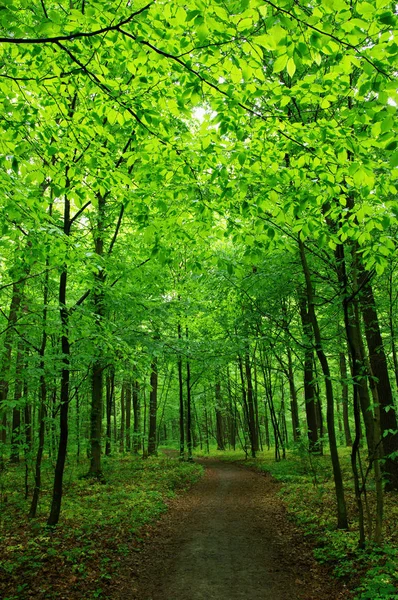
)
(42, 398)
(5, 359)
(110, 387)
(153, 401)
(293, 397)
(219, 419)
(391, 325)
(136, 417)
(122, 420)
(250, 406)
(189, 413)
(16, 412)
(97, 367)
(65, 376)
(378, 363)
(181, 400)
(232, 413)
(342, 521)
(309, 386)
(344, 395)
(127, 396)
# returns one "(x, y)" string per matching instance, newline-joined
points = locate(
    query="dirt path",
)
(227, 539)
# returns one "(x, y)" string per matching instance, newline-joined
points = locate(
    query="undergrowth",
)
(100, 524)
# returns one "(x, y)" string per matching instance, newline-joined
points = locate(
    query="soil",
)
(228, 538)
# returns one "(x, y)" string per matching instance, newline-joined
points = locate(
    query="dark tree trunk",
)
(378, 364)
(28, 424)
(181, 400)
(189, 413)
(360, 390)
(96, 419)
(282, 420)
(309, 386)
(266, 425)
(342, 521)
(293, 397)
(136, 415)
(278, 438)
(256, 411)
(244, 395)
(16, 413)
(65, 376)
(232, 413)
(219, 418)
(110, 387)
(153, 406)
(290, 375)
(97, 367)
(127, 396)
(250, 406)
(5, 359)
(391, 325)
(344, 394)
(42, 399)
(122, 420)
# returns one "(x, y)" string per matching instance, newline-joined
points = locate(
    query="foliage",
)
(182, 183)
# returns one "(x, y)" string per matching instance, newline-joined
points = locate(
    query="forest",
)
(198, 262)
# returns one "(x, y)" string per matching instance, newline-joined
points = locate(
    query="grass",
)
(308, 492)
(100, 524)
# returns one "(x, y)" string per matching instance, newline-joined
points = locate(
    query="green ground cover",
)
(101, 524)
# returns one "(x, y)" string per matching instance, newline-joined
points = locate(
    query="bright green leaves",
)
(291, 67)
(280, 63)
(202, 32)
(394, 159)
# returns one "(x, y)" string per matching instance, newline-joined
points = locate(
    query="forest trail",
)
(228, 538)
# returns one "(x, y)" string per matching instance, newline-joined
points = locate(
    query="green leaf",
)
(291, 67)
(202, 32)
(242, 158)
(394, 160)
(280, 63)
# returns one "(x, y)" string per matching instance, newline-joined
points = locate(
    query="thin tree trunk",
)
(344, 394)
(43, 396)
(136, 417)
(122, 420)
(127, 396)
(290, 375)
(110, 388)
(65, 377)
(309, 387)
(16, 413)
(189, 412)
(181, 400)
(378, 363)
(266, 424)
(97, 367)
(153, 401)
(250, 406)
(5, 359)
(219, 418)
(342, 521)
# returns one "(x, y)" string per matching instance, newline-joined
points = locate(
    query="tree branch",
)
(74, 36)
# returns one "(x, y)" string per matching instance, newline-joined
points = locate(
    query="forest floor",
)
(158, 529)
(227, 538)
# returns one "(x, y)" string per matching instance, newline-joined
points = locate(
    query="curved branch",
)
(74, 36)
